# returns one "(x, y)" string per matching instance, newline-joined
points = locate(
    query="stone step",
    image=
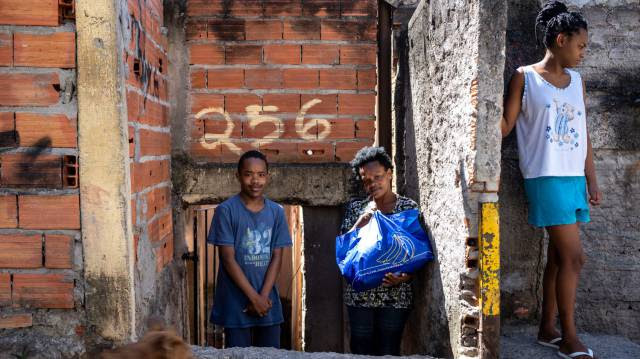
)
(270, 353)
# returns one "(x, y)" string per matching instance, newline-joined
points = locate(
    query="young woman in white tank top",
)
(545, 103)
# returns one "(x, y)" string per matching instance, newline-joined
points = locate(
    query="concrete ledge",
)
(303, 184)
(264, 353)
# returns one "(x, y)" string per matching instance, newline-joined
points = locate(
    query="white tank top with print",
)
(551, 127)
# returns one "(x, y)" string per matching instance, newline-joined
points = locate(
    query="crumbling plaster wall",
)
(608, 297)
(456, 63)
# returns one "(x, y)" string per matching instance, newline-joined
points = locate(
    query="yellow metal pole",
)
(489, 280)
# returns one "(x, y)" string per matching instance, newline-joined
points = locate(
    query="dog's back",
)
(156, 344)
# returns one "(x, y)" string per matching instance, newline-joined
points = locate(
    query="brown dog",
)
(158, 343)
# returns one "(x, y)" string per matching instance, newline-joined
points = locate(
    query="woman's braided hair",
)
(554, 19)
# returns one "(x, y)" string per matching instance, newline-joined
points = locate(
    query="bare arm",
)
(272, 272)
(595, 195)
(513, 102)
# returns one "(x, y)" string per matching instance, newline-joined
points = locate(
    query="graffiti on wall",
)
(258, 115)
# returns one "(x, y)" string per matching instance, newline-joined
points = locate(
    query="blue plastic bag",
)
(388, 243)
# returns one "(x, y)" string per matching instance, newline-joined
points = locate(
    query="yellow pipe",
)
(489, 259)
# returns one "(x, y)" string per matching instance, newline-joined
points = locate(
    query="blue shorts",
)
(555, 201)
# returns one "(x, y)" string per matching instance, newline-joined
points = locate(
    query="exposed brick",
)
(198, 79)
(6, 49)
(204, 7)
(49, 50)
(160, 227)
(229, 155)
(7, 129)
(282, 54)
(29, 12)
(288, 103)
(167, 251)
(282, 7)
(328, 104)
(367, 79)
(291, 132)
(320, 54)
(149, 173)
(237, 103)
(208, 153)
(226, 29)
(301, 29)
(14, 321)
(267, 130)
(201, 101)
(132, 141)
(358, 54)
(157, 200)
(20, 251)
(321, 8)
(8, 211)
(27, 169)
(365, 128)
(263, 30)
(146, 111)
(154, 143)
(360, 8)
(59, 130)
(346, 151)
(43, 290)
(206, 54)
(340, 79)
(196, 30)
(49, 212)
(341, 128)
(263, 78)
(243, 54)
(218, 126)
(227, 78)
(301, 78)
(134, 214)
(58, 251)
(245, 8)
(5, 289)
(22, 89)
(348, 30)
(356, 104)
(280, 151)
(316, 152)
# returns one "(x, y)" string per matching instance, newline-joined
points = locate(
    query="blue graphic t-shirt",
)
(254, 236)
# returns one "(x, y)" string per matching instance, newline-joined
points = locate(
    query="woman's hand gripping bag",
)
(388, 243)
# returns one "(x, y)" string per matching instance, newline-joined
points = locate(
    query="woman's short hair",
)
(370, 154)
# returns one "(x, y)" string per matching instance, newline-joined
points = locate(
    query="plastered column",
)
(104, 171)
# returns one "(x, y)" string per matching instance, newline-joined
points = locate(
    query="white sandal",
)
(589, 353)
(553, 343)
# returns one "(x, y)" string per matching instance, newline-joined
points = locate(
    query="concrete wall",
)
(41, 258)
(608, 298)
(456, 63)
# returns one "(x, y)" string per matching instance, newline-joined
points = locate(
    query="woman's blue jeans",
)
(376, 331)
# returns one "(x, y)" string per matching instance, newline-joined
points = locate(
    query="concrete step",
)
(270, 353)
(519, 342)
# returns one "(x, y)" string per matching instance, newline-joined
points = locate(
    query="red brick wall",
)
(39, 198)
(149, 137)
(293, 78)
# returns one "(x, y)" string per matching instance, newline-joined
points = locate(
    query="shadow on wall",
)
(522, 246)
(427, 330)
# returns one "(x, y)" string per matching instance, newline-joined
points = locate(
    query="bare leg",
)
(548, 329)
(570, 259)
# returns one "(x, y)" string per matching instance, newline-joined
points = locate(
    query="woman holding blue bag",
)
(377, 316)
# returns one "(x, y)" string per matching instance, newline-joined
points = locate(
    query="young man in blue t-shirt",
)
(250, 232)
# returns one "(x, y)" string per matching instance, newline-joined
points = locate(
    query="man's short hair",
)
(252, 154)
